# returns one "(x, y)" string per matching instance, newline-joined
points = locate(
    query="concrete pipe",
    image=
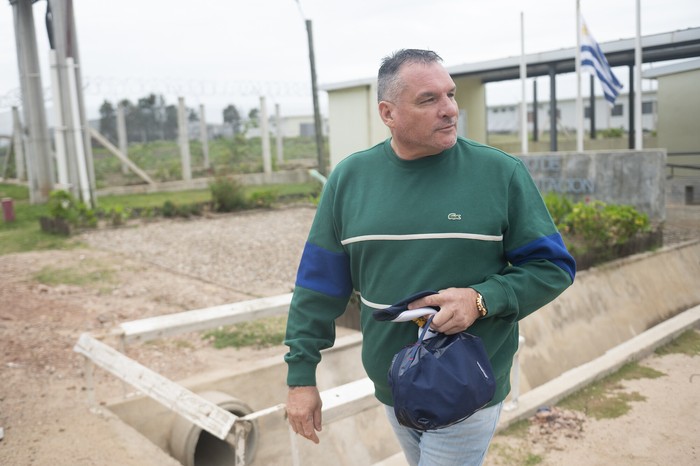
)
(192, 446)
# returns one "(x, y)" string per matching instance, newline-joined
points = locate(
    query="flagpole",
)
(523, 81)
(579, 100)
(638, 81)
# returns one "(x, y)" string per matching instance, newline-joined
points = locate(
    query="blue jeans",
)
(461, 444)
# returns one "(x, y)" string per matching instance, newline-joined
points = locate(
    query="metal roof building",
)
(354, 120)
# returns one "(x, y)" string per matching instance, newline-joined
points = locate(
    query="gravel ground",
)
(266, 245)
(254, 253)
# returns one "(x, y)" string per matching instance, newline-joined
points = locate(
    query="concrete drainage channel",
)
(234, 416)
(354, 424)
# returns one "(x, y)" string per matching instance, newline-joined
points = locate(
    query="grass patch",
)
(25, 234)
(511, 455)
(605, 399)
(84, 274)
(518, 429)
(687, 343)
(261, 333)
(151, 200)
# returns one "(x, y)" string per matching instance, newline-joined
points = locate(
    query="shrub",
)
(603, 225)
(559, 207)
(118, 215)
(612, 132)
(64, 206)
(595, 231)
(227, 195)
(169, 209)
(263, 198)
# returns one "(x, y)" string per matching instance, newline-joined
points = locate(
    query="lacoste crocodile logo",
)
(453, 216)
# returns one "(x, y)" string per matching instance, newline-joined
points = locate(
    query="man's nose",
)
(448, 108)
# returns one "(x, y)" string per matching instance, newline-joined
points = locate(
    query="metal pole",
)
(579, 100)
(523, 82)
(314, 93)
(552, 109)
(632, 111)
(638, 80)
(592, 104)
(535, 112)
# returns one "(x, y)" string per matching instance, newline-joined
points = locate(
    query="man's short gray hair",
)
(388, 82)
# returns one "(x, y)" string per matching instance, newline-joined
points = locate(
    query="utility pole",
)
(77, 151)
(39, 146)
(317, 113)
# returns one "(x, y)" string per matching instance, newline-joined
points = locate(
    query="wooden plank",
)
(338, 402)
(173, 396)
(118, 154)
(348, 400)
(204, 319)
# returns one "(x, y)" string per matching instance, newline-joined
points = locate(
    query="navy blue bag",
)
(440, 381)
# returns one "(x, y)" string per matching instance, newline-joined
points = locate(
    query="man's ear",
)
(386, 110)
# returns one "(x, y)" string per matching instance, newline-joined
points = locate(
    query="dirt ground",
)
(45, 418)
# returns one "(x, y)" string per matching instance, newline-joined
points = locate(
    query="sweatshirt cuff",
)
(301, 373)
(499, 301)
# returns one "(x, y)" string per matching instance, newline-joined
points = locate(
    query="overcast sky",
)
(217, 52)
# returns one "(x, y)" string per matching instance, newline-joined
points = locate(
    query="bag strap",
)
(425, 328)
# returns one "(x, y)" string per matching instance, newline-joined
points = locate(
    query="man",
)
(424, 210)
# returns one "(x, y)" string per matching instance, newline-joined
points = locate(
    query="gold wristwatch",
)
(481, 305)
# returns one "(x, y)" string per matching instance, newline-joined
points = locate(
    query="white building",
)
(506, 118)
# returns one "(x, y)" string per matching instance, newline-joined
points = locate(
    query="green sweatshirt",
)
(387, 228)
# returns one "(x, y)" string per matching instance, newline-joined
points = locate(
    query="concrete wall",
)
(635, 178)
(607, 306)
(354, 121)
(471, 98)
(679, 112)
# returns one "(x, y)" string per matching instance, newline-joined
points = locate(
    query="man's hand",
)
(457, 309)
(304, 411)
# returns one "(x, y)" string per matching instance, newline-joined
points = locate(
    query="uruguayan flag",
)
(593, 61)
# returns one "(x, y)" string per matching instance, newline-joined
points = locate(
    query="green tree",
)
(146, 107)
(108, 121)
(170, 127)
(254, 117)
(233, 118)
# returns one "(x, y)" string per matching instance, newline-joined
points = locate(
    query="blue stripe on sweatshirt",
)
(549, 248)
(324, 271)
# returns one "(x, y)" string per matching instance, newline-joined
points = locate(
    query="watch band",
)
(481, 305)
